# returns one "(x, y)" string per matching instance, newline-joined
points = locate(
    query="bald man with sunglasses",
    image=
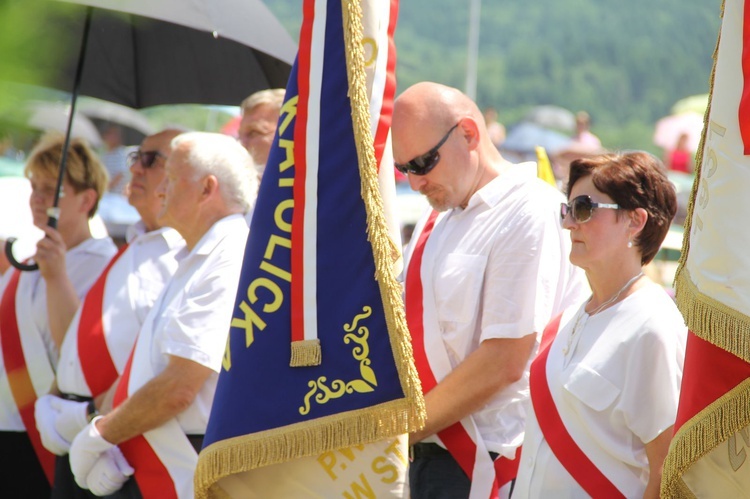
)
(487, 269)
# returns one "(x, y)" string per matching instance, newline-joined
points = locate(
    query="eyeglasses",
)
(422, 165)
(147, 158)
(582, 208)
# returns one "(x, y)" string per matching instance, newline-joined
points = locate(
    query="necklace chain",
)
(596, 311)
(616, 296)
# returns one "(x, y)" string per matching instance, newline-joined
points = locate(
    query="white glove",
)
(109, 473)
(71, 418)
(45, 416)
(86, 450)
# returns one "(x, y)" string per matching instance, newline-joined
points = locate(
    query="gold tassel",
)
(305, 353)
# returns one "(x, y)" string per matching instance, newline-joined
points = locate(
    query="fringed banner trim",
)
(703, 433)
(377, 227)
(305, 353)
(698, 161)
(711, 320)
(309, 438)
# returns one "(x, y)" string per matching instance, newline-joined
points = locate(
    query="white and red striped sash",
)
(565, 449)
(93, 353)
(18, 375)
(163, 458)
(462, 439)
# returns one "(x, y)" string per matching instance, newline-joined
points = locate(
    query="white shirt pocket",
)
(459, 286)
(591, 388)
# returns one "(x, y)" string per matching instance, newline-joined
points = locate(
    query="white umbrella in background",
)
(47, 116)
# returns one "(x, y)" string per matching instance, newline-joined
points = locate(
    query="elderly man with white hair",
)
(163, 398)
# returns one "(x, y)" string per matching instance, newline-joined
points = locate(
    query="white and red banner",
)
(708, 455)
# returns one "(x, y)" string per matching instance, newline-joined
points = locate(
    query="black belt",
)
(196, 441)
(423, 450)
(74, 397)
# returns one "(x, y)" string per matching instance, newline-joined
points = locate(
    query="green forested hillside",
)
(625, 62)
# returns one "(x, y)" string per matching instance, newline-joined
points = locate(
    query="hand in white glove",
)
(45, 416)
(71, 418)
(86, 450)
(109, 473)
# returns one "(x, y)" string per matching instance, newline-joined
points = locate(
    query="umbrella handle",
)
(12, 258)
(25, 267)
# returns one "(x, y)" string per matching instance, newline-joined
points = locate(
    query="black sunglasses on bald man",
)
(422, 165)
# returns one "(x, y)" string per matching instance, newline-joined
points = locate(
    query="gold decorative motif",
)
(322, 392)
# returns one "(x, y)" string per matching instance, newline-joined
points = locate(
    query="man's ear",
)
(210, 185)
(469, 130)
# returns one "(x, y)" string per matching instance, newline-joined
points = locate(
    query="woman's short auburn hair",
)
(633, 180)
(83, 168)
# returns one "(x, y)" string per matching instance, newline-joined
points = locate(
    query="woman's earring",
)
(630, 244)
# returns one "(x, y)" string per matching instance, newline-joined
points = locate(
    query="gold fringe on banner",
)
(377, 225)
(712, 320)
(362, 426)
(283, 444)
(703, 433)
(305, 353)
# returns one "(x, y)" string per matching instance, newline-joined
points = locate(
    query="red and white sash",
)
(565, 449)
(99, 370)
(462, 439)
(163, 458)
(27, 369)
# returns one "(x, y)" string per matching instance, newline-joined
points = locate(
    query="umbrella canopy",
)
(525, 137)
(669, 129)
(549, 116)
(146, 53)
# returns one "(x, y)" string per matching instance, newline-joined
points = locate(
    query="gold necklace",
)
(598, 309)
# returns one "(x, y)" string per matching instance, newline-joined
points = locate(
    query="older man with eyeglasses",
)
(101, 335)
(486, 270)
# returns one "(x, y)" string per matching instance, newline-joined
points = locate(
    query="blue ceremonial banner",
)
(318, 356)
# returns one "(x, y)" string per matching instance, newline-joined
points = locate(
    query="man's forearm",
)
(485, 372)
(161, 399)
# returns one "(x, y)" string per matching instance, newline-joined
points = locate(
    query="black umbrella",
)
(142, 53)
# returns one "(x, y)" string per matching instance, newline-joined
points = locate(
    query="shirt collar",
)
(170, 236)
(219, 231)
(498, 187)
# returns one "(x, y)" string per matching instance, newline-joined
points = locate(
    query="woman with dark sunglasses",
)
(605, 385)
